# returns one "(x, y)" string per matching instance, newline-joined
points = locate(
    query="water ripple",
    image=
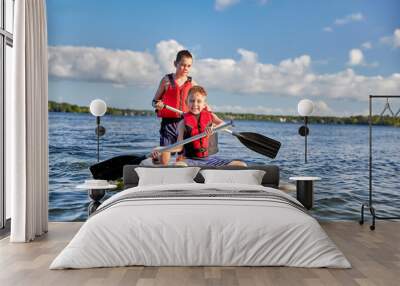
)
(337, 153)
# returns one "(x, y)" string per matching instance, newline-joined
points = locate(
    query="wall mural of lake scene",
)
(257, 60)
(337, 153)
(213, 142)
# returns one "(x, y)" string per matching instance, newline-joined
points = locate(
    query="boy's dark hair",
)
(197, 89)
(183, 54)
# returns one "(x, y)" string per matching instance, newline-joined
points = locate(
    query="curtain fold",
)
(27, 122)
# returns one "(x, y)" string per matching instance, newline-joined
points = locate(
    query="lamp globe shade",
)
(98, 107)
(305, 107)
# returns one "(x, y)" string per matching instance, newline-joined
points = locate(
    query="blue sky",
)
(252, 55)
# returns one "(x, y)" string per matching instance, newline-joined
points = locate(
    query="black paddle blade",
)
(112, 169)
(259, 143)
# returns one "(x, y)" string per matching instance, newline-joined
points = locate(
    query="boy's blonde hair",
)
(197, 89)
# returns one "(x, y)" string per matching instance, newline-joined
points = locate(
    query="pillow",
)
(249, 177)
(166, 176)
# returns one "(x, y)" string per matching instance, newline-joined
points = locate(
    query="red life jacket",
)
(175, 96)
(195, 125)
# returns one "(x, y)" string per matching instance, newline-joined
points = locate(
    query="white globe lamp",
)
(98, 107)
(305, 107)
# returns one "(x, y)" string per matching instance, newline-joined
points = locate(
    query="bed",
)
(201, 224)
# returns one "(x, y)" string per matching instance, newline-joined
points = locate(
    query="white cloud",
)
(366, 45)
(254, 110)
(223, 4)
(355, 17)
(356, 57)
(246, 75)
(321, 108)
(248, 56)
(103, 65)
(166, 54)
(393, 40)
(347, 84)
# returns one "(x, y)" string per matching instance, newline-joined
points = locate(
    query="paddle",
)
(112, 169)
(254, 141)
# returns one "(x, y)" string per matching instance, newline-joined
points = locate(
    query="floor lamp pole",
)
(305, 107)
(305, 139)
(98, 137)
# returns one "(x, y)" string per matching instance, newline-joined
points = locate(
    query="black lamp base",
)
(96, 195)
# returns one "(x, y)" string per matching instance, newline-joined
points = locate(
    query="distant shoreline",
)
(354, 120)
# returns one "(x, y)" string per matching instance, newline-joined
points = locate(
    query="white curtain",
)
(27, 124)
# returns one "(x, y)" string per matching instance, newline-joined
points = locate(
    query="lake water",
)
(336, 153)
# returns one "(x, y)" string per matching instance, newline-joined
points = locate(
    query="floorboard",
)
(374, 255)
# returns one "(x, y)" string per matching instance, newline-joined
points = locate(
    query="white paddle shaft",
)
(173, 109)
(191, 139)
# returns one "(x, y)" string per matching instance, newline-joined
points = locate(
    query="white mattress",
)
(185, 231)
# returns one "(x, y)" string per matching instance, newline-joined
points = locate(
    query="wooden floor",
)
(374, 255)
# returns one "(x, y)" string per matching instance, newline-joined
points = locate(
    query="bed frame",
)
(270, 179)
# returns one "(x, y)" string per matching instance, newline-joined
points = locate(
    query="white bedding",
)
(182, 231)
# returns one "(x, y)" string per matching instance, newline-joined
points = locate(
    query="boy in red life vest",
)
(173, 91)
(198, 120)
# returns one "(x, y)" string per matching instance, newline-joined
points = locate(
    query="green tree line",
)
(359, 119)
